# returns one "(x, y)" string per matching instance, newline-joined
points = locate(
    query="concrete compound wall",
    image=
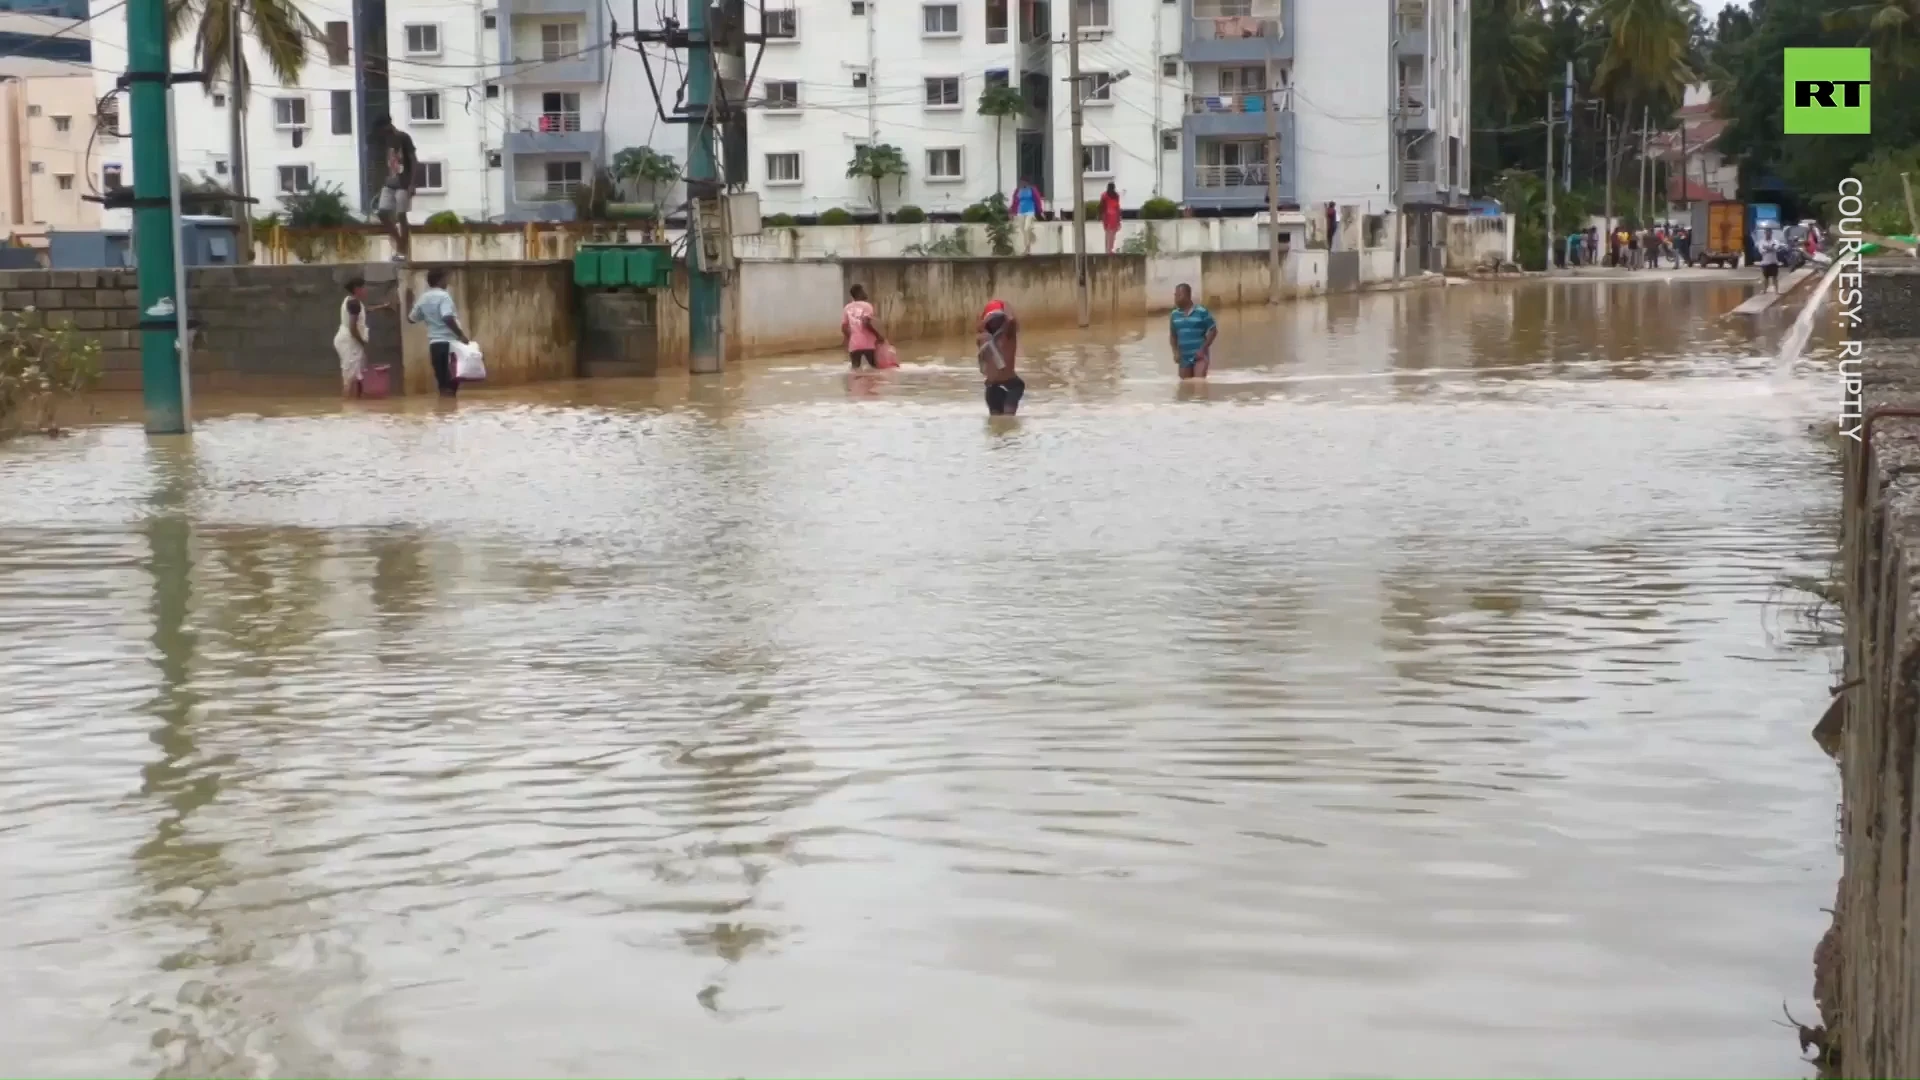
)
(1867, 969)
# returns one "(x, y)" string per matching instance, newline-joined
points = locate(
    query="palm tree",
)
(1509, 64)
(1648, 43)
(877, 163)
(1889, 26)
(1000, 101)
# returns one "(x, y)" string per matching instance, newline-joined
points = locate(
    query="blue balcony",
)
(1410, 27)
(1237, 31)
(554, 133)
(1242, 186)
(531, 59)
(1232, 114)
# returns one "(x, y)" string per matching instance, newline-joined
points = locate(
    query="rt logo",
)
(1829, 91)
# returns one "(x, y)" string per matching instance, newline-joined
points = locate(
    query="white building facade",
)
(513, 104)
(509, 104)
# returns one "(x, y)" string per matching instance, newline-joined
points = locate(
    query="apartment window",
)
(1169, 67)
(64, 180)
(289, 112)
(63, 123)
(33, 110)
(493, 91)
(559, 40)
(219, 100)
(109, 176)
(943, 92)
(339, 50)
(423, 39)
(342, 110)
(859, 80)
(559, 111)
(1169, 141)
(1099, 86)
(108, 122)
(219, 165)
(783, 168)
(997, 77)
(489, 22)
(1094, 14)
(493, 159)
(424, 108)
(859, 8)
(430, 176)
(38, 167)
(781, 25)
(563, 177)
(783, 95)
(295, 179)
(940, 20)
(1096, 159)
(943, 164)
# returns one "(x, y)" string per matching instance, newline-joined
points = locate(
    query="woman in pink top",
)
(1110, 215)
(858, 332)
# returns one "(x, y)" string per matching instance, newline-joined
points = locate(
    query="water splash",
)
(1796, 340)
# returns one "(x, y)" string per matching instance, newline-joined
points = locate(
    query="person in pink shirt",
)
(858, 331)
(1110, 215)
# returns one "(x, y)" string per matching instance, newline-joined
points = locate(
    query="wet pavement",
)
(1421, 696)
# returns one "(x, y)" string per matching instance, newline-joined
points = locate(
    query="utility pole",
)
(163, 380)
(1566, 159)
(1606, 122)
(1549, 264)
(1273, 181)
(703, 184)
(1645, 207)
(237, 136)
(1078, 194)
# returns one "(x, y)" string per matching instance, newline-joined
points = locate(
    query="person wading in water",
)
(999, 342)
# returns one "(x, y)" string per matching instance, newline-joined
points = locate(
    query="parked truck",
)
(1724, 240)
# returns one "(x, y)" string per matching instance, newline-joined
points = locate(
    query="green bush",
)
(777, 221)
(836, 216)
(445, 221)
(978, 214)
(1093, 209)
(1159, 209)
(40, 367)
(321, 208)
(909, 215)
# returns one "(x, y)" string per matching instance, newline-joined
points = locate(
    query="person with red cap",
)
(998, 338)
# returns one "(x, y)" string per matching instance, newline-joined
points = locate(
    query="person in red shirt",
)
(998, 339)
(1110, 215)
(858, 334)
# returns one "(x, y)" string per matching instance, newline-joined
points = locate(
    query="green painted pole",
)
(162, 383)
(703, 286)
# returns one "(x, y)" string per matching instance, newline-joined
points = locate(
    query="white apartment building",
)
(511, 105)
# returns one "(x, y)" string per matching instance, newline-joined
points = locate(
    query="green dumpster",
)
(586, 267)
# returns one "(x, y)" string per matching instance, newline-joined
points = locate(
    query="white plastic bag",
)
(467, 364)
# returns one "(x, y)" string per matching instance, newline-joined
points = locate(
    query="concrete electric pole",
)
(237, 136)
(163, 377)
(1273, 182)
(1084, 303)
(703, 185)
(1549, 265)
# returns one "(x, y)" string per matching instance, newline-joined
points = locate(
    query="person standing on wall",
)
(858, 334)
(435, 308)
(1333, 222)
(1027, 206)
(1191, 331)
(396, 195)
(1110, 215)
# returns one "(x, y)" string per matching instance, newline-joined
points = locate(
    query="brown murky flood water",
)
(1419, 697)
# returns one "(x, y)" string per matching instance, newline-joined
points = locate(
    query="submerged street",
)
(1422, 695)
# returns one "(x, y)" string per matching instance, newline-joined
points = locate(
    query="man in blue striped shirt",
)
(1191, 330)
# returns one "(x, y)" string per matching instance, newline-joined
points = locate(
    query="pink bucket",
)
(376, 382)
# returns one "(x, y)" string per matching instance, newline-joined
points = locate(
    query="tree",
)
(1508, 70)
(877, 163)
(999, 100)
(280, 29)
(645, 165)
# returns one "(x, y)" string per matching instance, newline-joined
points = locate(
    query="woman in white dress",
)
(351, 339)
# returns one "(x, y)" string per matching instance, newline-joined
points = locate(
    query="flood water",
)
(1420, 697)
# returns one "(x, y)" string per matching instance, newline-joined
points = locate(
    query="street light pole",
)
(163, 383)
(1273, 181)
(1084, 304)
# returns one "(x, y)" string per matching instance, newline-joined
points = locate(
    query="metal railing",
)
(1413, 102)
(996, 35)
(1221, 9)
(1255, 102)
(1413, 23)
(1230, 176)
(1415, 171)
(552, 122)
(1235, 27)
(546, 191)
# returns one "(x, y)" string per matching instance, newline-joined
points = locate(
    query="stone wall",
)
(1867, 973)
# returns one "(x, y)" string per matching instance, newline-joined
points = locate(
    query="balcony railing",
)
(1413, 102)
(1218, 9)
(996, 35)
(553, 122)
(1235, 27)
(545, 191)
(1236, 103)
(1416, 171)
(1230, 176)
